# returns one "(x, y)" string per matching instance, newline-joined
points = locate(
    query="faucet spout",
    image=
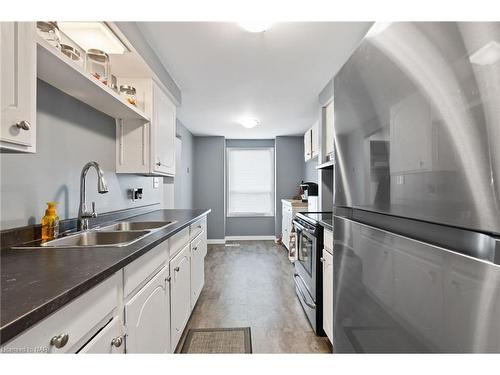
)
(102, 187)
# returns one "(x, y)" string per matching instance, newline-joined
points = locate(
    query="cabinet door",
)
(18, 86)
(315, 140)
(147, 317)
(197, 268)
(307, 145)
(328, 293)
(109, 340)
(329, 129)
(180, 303)
(163, 126)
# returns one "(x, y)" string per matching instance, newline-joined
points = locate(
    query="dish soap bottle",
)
(50, 223)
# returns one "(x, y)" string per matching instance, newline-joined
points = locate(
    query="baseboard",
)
(249, 238)
(216, 241)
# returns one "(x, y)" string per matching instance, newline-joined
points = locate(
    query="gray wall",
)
(289, 155)
(185, 173)
(250, 226)
(69, 134)
(208, 182)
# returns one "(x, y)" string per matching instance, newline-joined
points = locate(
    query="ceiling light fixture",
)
(255, 26)
(96, 35)
(249, 123)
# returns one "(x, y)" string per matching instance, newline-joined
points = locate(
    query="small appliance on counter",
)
(309, 194)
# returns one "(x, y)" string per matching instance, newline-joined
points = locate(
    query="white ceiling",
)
(226, 73)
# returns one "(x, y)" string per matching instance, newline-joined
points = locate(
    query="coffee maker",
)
(309, 194)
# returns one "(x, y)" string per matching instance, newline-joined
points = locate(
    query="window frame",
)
(273, 183)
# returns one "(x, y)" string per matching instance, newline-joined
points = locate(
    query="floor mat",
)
(218, 340)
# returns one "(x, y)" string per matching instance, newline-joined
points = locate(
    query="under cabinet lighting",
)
(96, 35)
(488, 54)
(377, 29)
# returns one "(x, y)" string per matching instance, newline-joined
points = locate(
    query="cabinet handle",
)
(322, 259)
(195, 248)
(117, 341)
(24, 125)
(60, 340)
(167, 279)
(176, 269)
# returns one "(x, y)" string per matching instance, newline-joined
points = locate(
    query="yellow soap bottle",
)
(50, 223)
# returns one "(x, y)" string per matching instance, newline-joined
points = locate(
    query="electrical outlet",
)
(156, 182)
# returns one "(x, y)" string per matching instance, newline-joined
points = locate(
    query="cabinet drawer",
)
(109, 341)
(198, 227)
(79, 320)
(328, 240)
(137, 273)
(178, 241)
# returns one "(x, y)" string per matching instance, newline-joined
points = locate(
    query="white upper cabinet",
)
(311, 142)
(329, 129)
(148, 148)
(163, 133)
(315, 140)
(307, 145)
(18, 86)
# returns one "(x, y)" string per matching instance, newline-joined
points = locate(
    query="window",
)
(250, 181)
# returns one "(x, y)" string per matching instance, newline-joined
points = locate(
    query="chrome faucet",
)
(83, 214)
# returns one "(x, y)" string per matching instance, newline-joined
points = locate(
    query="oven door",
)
(305, 265)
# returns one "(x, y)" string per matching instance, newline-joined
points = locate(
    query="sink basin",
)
(97, 239)
(136, 225)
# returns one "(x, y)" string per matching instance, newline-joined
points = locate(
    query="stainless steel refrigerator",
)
(417, 190)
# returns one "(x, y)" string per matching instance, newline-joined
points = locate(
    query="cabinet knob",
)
(176, 269)
(322, 259)
(60, 340)
(195, 248)
(167, 279)
(117, 341)
(24, 125)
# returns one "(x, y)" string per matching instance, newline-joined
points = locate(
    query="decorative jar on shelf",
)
(49, 31)
(129, 93)
(98, 65)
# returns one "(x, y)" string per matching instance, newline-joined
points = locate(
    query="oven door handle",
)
(295, 277)
(301, 227)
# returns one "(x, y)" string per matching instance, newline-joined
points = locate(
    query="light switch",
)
(156, 182)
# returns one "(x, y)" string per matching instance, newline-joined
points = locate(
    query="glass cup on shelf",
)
(129, 93)
(49, 31)
(98, 65)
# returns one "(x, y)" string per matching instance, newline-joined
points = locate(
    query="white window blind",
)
(250, 181)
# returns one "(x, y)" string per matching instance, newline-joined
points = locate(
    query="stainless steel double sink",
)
(118, 234)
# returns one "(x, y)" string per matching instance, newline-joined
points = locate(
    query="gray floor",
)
(252, 285)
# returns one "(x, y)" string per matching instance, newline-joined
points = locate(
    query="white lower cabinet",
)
(180, 301)
(110, 340)
(198, 251)
(328, 294)
(147, 317)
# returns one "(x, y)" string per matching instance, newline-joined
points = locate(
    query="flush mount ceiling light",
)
(249, 123)
(255, 26)
(488, 54)
(95, 35)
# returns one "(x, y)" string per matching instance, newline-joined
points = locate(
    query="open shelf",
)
(326, 165)
(64, 74)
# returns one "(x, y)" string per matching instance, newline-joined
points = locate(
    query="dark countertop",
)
(36, 282)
